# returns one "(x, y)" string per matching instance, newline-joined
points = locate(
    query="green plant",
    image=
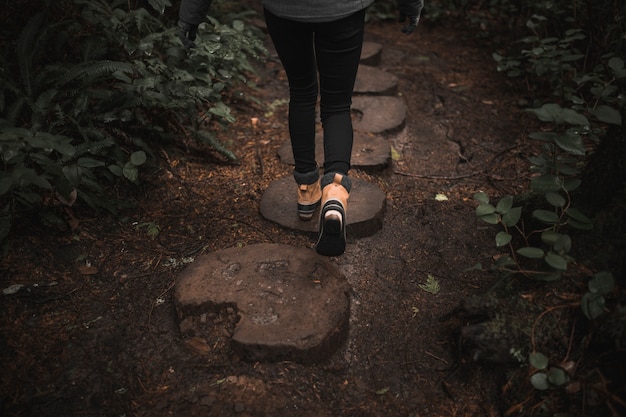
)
(593, 303)
(92, 88)
(556, 176)
(546, 376)
(152, 229)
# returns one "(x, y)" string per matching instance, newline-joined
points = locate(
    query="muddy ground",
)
(94, 330)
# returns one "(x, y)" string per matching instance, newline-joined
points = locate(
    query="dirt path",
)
(97, 334)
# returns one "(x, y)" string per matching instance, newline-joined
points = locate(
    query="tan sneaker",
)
(332, 238)
(309, 196)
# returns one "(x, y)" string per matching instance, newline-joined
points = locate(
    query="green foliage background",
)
(90, 89)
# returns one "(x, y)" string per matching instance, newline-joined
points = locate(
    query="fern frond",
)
(89, 72)
(218, 146)
(87, 148)
(26, 48)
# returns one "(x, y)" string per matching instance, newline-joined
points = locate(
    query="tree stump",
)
(283, 303)
(370, 80)
(378, 114)
(365, 208)
(370, 152)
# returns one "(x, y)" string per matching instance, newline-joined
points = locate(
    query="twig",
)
(438, 177)
(548, 310)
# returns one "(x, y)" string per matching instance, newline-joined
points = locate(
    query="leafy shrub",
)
(577, 92)
(90, 89)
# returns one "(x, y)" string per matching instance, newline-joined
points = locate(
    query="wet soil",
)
(94, 332)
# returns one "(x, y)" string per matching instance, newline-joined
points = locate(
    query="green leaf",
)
(485, 209)
(531, 252)
(578, 220)
(556, 199)
(238, 25)
(492, 218)
(602, 283)
(73, 173)
(571, 143)
(549, 237)
(538, 360)
(481, 197)
(543, 136)
(549, 277)
(116, 170)
(512, 217)
(545, 216)
(580, 225)
(547, 113)
(554, 113)
(592, 305)
(89, 162)
(131, 172)
(30, 177)
(557, 376)
(570, 184)
(138, 158)
(578, 215)
(556, 261)
(563, 244)
(574, 118)
(545, 183)
(616, 63)
(505, 204)
(607, 114)
(539, 380)
(502, 239)
(505, 261)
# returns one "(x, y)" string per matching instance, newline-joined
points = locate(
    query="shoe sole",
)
(332, 239)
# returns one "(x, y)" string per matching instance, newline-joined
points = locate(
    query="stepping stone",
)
(370, 80)
(369, 152)
(286, 303)
(371, 53)
(366, 208)
(378, 114)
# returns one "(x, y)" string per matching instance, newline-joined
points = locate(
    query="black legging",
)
(333, 49)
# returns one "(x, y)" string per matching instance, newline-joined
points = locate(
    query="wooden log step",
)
(366, 208)
(378, 114)
(265, 302)
(370, 152)
(371, 54)
(373, 81)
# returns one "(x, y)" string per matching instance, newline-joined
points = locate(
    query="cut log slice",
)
(373, 81)
(284, 302)
(366, 208)
(378, 114)
(370, 152)
(371, 54)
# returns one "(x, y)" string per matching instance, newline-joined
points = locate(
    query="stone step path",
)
(280, 302)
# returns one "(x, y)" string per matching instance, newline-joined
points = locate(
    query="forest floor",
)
(94, 332)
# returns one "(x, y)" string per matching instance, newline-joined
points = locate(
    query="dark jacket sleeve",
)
(193, 12)
(410, 7)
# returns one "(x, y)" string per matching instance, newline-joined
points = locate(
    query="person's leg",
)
(338, 47)
(294, 44)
